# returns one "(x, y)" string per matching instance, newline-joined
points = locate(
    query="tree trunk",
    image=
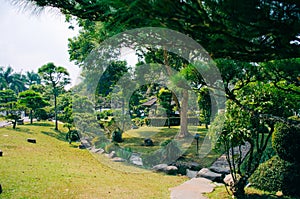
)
(183, 115)
(55, 108)
(238, 189)
(14, 124)
(30, 115)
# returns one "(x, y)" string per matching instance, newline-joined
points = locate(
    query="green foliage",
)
(72, 136)
(56, 77)
(117, 135)
(111, 147)
(286, 141)
(110, 77)
(165, 98)
(270, 174)
(124, 153)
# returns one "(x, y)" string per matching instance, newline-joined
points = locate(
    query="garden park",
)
(225, 112)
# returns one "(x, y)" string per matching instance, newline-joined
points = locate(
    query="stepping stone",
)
(193, 189)
(31, 140)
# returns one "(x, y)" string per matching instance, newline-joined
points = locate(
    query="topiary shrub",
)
(270, 174)
(117, 136)
(285, 141)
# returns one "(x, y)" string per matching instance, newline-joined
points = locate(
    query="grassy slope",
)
(52, 168)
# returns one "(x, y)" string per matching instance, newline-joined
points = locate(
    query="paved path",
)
(192, 189)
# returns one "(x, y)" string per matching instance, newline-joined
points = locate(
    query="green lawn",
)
(52, 168)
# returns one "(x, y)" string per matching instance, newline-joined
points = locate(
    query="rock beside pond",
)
(160, 167)
(208, 174)
(136, 159)
(95, 150)
(112, 154)
(191, 173)
(117, 159)
(221, 170)
(148, 142)
(171, 170)
(86, 143)
(183, 166)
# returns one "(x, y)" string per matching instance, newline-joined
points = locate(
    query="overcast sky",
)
(28, 41)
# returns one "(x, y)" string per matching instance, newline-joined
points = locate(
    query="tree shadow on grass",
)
(40, 124)
(21, 129)
(56, 134)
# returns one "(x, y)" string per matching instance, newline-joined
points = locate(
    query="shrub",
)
(285, 141)
(269, 175)
(111, 147)
(124, 153)
(277, 175)
(117, 136)
(41, 114)
(100, 142)
(72, 136)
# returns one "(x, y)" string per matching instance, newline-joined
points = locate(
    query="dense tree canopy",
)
(245, 30)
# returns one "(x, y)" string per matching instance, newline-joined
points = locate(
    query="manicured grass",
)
(251, 193)
(134, 139)
(52, 168)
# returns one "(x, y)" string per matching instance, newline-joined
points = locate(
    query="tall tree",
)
(32, 78)
(56, 77)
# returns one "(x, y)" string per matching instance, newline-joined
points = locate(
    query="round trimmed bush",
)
(270, 174)
(286, 142)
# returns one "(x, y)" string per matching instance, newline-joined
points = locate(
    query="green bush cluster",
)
(286, 142)
(111, 147)
(281, 172)
(138, 121)
(117, 136)
(270, 174)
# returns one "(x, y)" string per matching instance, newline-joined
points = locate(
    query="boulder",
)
(81, 146)
(31, 140)
(112, 154)
(191, 173)
(208, 174)
(171, 170)
(160, 167)
(221, 170)
(148, 142)
(228, 180)
(86, 143)
(95, 150)
(136, 159)
(117, 159)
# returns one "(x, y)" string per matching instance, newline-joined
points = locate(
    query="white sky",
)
(28, 41)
